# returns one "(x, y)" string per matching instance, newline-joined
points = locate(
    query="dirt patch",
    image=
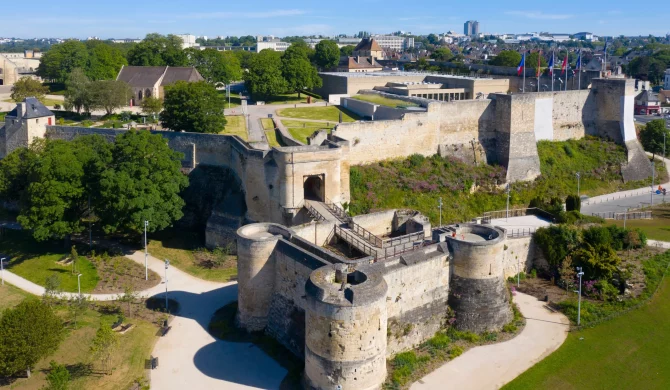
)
(118, 273)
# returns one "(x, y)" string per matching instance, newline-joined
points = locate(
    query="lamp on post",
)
(79, 285)
(2, 269)
(146, 254)
(579, 301)
(167, 264)
(439, 204)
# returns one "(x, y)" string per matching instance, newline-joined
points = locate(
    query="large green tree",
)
(653, 136)
(442, 54)
(193, 107)
(215, 66)
(142, 183)
(298, 72)
(506, 58)
(104, 60)
(28, 87)
(347, 51)
(61, 59)
(327, 54)
(78, 93)
(158, 50)
(28, 333)
(110, 95)
(264, 77)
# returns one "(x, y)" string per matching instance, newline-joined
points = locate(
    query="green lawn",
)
(271, 135)
(11, 296)
(36, 261)
(236, 125)
(628, 352)
(384, 101)
(2, 117)
(184, 253)
(300, 130)
(657, 228)
(235, 100)
(45, 101)
(330, 113)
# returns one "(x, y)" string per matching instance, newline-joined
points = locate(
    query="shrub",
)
(463, 335)
(58, 377)
(439, 341)
(490, 336)
(56, 106)
(533, 273)
(416, 160)
(455, 352)
(607, 291)
(509, 328)
(573, 203)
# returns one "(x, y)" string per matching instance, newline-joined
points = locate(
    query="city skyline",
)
(126, 19)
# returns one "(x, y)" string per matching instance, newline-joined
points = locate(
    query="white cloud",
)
(305, 29)
(539, 15)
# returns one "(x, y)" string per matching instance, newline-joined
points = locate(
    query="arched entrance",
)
(315, 188)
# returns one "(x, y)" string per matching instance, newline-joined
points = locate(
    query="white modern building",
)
(392, 42)
(270, 42)
(189, 41)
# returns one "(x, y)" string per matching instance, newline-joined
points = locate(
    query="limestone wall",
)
(416, 302)
(518, 253)
(365, 110)
(379, 223)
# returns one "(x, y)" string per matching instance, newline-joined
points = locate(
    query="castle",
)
(348, 292)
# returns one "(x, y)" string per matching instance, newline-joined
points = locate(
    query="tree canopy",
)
(158, 50)
(297, 70)
(28, 332)
(264, 77)
(100, 60)
(28, 87)
(110, 94)
(78, 94)
(327, 54)
(215, 66)
(651, 136)
(104, 60)
(506, 58)
(193, 107)
(442, 54)
(347, 51)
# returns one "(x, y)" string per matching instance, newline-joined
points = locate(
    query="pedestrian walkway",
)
(491, 366)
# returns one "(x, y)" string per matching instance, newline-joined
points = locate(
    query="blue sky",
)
(130, 19)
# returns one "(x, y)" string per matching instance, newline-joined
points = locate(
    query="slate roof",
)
(647, 96)
(34, 109)
(358, 63)
(368, 44)
(148, 76)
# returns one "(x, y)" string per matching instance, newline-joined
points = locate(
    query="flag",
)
(565, 64)
(539, 63)
(551, 64)
(522, 65)
(606, 44)
(578, 66)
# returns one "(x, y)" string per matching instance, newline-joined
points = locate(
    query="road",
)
(643, 119)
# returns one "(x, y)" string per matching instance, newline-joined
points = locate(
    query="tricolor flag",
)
(551, 64)
(578, 66)
(565, 64)
(522, 64)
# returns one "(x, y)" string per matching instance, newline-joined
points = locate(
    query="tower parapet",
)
(346, 319)
(478, 294)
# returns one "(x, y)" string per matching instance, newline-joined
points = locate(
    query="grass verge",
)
(45, 101)
(300, 130)
(237, 125)
(268, 124)
(384, 101)
(235, 100)
(627, 352)
(289, 98)
(329, 113)
(11, 296)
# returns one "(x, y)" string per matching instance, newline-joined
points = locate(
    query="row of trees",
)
(57, 183)
(651, 68)
(99, 60)
(83, 94)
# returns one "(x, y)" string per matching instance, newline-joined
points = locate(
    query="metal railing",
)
(522, 232)
(623, 215)
(400, 249)
(356, 242)
(407, 238)
(315, 214)
(365, 234)
(337, 211)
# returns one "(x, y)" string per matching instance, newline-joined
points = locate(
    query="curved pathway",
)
(492, 366)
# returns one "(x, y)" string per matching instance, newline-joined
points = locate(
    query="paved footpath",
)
(492, 366)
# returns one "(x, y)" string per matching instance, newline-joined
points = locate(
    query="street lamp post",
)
(579, 176)
(439, 204)
(653, 174)
(79, 285)
(2, 269)
(579, 301)
(507, 209)
(146, 254)
(167, 264)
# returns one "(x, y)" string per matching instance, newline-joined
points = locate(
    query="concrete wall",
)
(379, 224)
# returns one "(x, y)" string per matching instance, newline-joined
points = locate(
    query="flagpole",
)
(579, 69)
(523, 88)
(567, 66)
(552, 70)
(539, 69)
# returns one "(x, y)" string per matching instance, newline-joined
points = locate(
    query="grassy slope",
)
(330, 113)
(236, 125)
(657, 228)
(11, 296)
(399, 184)
(628, 352)
(384, 101)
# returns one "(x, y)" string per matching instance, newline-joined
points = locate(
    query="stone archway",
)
(314, 188)
(147, 93)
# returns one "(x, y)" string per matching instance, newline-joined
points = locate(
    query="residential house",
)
(647, 103)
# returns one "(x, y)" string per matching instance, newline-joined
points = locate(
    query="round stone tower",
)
(345, 329)
(477, 293)
(256, 272)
